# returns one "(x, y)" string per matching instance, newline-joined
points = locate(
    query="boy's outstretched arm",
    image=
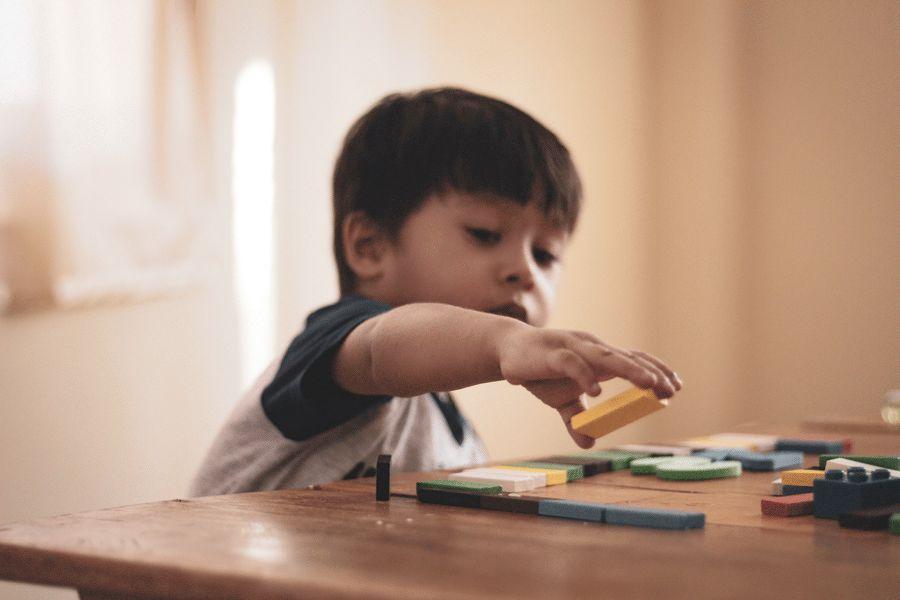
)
(419, 348)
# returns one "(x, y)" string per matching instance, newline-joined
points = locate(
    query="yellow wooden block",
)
(747, 441)
(554, 476)
(618, 411)
(804, 477)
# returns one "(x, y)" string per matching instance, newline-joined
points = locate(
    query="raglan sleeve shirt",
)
(303, 399)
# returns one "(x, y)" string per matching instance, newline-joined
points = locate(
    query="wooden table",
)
(338, 541)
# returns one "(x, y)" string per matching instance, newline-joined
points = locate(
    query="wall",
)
(823, 205)
(742, 203)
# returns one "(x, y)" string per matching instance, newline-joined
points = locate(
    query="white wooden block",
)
(537, 479)
(842, 464)
(777, 487)
(655, 449)
(508, 482)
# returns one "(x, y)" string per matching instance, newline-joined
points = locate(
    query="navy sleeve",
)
(303, 399)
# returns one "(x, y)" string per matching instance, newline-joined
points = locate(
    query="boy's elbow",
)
(353, 366)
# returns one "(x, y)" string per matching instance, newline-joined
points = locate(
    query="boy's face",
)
(481, 252)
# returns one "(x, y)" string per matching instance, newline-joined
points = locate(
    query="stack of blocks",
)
(860, 495)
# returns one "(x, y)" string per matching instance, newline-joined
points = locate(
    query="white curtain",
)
(104, 183)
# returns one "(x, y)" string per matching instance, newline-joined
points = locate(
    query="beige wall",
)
(740, 162)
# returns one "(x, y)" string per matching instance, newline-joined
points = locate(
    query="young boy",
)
(452, 211)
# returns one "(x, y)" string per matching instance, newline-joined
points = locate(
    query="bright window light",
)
(252, 188)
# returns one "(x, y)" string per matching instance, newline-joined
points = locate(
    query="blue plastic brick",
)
(838, 494)
(571, 509)
(767, 461)
(655, 518)
(810, 446)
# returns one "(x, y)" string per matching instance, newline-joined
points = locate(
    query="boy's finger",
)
(569, 410)
(588, 337)
(667, 381)
(664, 388)
(606, 360)
(672, 375)
(568, 363)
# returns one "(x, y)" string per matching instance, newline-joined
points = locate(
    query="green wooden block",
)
(713, 470)
(465, 486)
(895, 523)
(619, 459)
(573, 472)
(885, 462)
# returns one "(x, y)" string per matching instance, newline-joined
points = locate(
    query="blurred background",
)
(165, 210)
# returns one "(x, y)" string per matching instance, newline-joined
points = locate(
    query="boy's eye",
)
(483, 236)
(544, 258)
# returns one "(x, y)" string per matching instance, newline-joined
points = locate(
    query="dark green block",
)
(619, 459)
(450, 497)
(465, 486)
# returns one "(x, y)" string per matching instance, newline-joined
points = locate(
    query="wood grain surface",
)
(338, 541)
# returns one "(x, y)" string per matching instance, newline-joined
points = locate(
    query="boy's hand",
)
(558, 366)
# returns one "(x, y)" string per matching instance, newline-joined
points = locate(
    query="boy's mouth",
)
(511, 310)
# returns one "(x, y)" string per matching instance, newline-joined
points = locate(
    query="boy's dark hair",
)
(409, 146)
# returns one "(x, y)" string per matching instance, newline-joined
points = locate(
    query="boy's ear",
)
(365, 246)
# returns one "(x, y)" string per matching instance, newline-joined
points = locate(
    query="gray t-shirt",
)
(295, 427)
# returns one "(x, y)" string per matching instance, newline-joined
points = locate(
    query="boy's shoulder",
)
(346, 306)
(330, 324)
(302, 398)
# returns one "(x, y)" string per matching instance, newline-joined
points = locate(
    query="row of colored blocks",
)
(768, 443)
(553, 470)
(490, 497)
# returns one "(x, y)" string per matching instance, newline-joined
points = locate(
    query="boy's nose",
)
(525, 282)
(520, 274)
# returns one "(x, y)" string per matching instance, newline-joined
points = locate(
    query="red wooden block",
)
(787, 506)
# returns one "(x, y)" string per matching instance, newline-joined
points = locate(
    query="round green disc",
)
(713, 470)
(648, 466)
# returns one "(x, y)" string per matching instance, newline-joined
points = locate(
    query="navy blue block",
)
(713, 453)
(506, 503)
(811, 446)
(767, 461)
(570, 509)
(592, 466)
(790, 490)
(834, 497)
(383, 478)
(654, 517)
